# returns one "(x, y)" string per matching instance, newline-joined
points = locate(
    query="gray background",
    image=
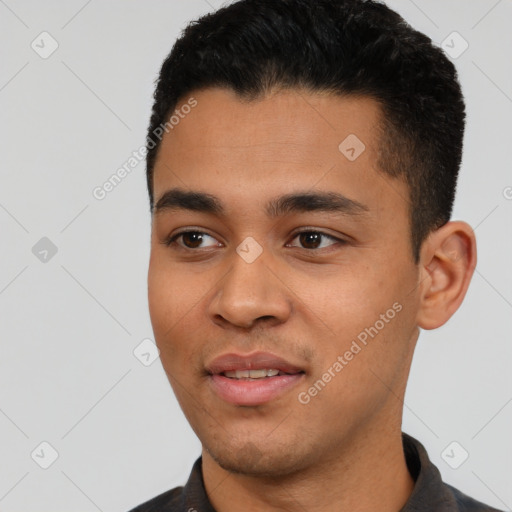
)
(69, 325)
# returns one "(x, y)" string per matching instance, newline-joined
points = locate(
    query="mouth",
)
(251, 380)
(255, 374)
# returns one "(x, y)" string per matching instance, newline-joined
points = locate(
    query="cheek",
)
(168, 301)
(170, 293)
(366, 312)
(174, 299)
(344, 300)
(161, 298)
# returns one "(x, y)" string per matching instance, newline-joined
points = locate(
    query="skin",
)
(306, 303)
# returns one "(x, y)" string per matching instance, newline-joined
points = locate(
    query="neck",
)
(368, 473)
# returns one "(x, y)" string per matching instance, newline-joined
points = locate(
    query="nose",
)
(250, 294)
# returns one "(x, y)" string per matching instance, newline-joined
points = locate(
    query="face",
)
(282, 288)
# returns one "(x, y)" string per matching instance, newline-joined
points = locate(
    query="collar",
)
(429, 493)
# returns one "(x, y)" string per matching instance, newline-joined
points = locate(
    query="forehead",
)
(289, 138)
(286, 117)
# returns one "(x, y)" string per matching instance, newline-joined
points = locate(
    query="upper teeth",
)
(251, 374)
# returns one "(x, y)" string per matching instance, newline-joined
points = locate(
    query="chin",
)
(263, 460)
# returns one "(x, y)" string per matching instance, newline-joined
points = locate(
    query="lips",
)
(257, 361)
(252, 380)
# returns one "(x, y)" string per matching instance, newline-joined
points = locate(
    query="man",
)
(302, 164)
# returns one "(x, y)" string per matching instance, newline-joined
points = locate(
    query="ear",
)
(447, 262)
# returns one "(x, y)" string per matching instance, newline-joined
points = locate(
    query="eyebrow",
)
(177, 199)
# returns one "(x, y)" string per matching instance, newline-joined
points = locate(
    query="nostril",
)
(265, 318)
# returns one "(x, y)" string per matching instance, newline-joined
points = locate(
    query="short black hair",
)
(343, 47)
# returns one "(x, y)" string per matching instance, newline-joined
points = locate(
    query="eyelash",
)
(171, 239)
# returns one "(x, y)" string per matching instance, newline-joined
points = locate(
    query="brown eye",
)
(315, 240)
(310, 240)
(192, 239)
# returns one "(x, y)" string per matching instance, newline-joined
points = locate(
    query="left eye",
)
(314, 240)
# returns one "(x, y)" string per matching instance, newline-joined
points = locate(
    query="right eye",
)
(191, 240)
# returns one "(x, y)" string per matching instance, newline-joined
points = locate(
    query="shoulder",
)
(191, 496)
(468, 504)
(430, 491)
(168, 501)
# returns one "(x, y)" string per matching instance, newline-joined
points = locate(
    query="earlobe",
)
(448, 260)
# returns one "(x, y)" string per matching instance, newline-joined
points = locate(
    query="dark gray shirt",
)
(430, 492)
